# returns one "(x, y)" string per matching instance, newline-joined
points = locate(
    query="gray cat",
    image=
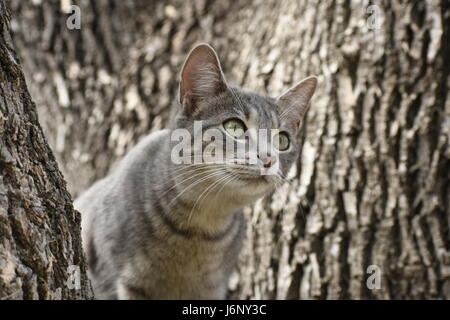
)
(156, 228)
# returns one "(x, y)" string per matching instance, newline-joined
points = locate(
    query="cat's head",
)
(261, 130)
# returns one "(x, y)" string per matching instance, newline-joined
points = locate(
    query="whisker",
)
(207, 170)
(210, 188)
(227, 179)
(194, 184)
(232, 177)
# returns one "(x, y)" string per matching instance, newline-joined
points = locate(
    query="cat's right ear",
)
(201, 76)
(295, 101)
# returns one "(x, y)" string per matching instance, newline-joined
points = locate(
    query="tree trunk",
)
(369, 196)
(40, 244)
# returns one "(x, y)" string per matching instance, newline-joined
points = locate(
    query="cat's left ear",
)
(201, 76)
(295, 101)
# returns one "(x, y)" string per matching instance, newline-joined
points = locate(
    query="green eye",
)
(235, 127)
(281, 141)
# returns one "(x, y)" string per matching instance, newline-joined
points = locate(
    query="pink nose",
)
(267, 161)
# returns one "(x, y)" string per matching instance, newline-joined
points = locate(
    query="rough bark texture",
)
(39, 230)
(372, 184)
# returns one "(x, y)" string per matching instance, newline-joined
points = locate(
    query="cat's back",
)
(110, 209)
(115, 193)
(145, 152)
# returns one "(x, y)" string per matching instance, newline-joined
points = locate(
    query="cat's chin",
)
(253, 178)
(254, 185)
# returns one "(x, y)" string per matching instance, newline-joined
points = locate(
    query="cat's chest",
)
(193, 267)
(188, 268)
(199, 256)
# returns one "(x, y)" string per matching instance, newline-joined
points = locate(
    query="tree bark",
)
(371, 186)
(40, 244)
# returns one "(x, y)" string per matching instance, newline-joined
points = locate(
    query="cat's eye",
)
(235, 127)
(281, 141)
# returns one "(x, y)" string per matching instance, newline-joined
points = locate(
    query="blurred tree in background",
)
(372, 184)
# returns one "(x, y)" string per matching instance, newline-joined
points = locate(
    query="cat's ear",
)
(201, 76)
(295, 101)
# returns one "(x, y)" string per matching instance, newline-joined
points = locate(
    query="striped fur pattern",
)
(153, 229)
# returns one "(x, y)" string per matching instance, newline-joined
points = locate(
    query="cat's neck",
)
(201, 207)
(189, 202)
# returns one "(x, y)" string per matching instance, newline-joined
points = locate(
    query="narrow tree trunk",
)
(371, 186)
(40, 244)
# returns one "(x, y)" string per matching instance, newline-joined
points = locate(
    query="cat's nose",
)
(267, 161)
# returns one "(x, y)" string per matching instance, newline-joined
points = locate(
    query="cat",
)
(163, 228)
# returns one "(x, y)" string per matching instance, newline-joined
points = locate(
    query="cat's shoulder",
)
(158, 135)
(152, 141)
(147, 149)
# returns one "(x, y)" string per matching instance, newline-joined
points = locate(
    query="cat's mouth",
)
(251, 178)
(249, 175)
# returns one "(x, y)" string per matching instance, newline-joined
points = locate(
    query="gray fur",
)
(145, 232)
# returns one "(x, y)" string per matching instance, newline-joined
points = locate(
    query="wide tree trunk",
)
(369, 196)
(40, 244)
